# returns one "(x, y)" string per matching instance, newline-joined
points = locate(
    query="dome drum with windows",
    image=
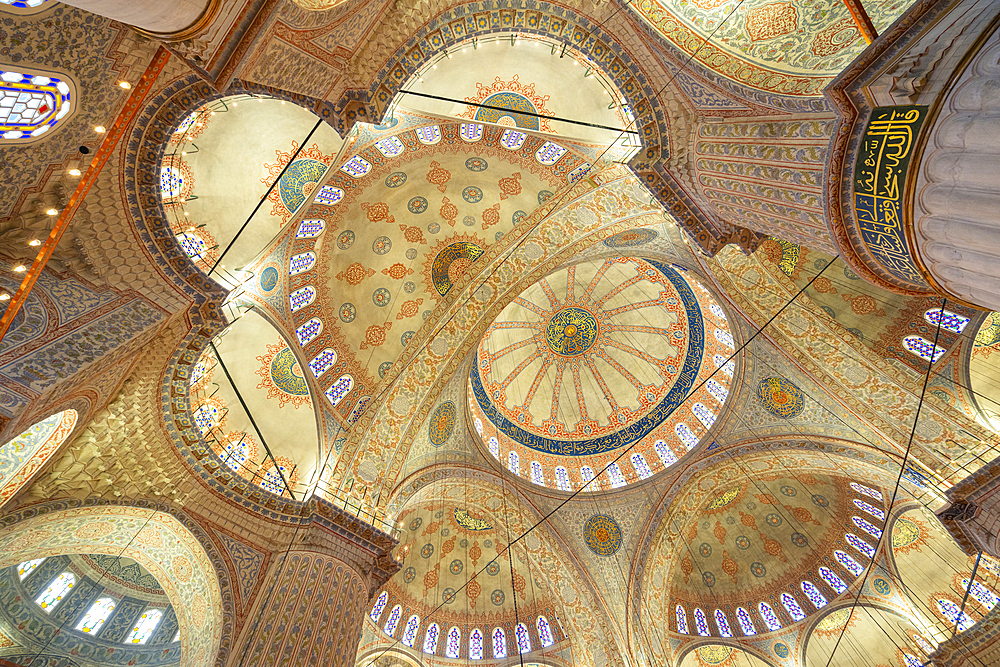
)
(623, 353)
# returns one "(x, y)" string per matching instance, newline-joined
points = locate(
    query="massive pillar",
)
(174, 20)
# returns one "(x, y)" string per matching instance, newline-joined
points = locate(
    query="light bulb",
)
(125, 84)
(34, 243)
(100, 129)
(52, 211)
(4, 296)
(74, 172)
(20, 268)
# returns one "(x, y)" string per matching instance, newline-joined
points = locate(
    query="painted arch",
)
(22, 456)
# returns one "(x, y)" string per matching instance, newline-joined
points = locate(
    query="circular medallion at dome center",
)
(571, 331)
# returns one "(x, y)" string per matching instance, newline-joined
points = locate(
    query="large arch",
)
(21, 457)
(156, 540)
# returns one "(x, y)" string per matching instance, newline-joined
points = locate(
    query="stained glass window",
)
(770, 618)
(512, 139)
(52, 595)
(860, 545)
(666, 454)
(549, 153)
(953, 614)
(390, 146)
(30, 105)
(911, 660)
(818, 599)
(866, 491)
(193, 246)
(410, 633)
(523, 640)
(376, 612)
(431, 638)
(309, 229)
(865, 507)
(301, 263)
(704, 415)
(199, 370)
(429, 135)
(544, 631)
(562, 479)
(171, 182)
(792, 606)
(867, 527)
(835, 582)
(717, 390)
(725, 338)
(144, 627)
(641, 468)
(682, 620)
(96, 615)
(699, 620)
(206, 416)
(746, 623)
(513, 464)
(323, 362)
(849, 563)
(272, 479)
(686, 435)
(359, 407)
(923, 348)
(579, 172)
(991, 565)
(342, 387)
(393, 620)
(616, 476)
(728, 367)
(494, 447)
(949, 320)
(357, 166)
(177, 637)
(717, 311)
(985, 596)
(722, 623)
(476, 645)
(472, 131)
(586, 475)
(27, 567)
(328, 196)
(308, 331)
(924, 645)
(479, 426)
(536, 473)
(236, 452)
(301, 297)
(454, 642)
(499, 643)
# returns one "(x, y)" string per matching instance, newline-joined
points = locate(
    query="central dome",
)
(594, 358)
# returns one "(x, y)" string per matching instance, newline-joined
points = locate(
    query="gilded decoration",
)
(781, 397)
(571, 331)
(451, 263)
(631, 238)
(602, 535)
(298, 181)
(467, 521)
(282, 376)
(442, 423)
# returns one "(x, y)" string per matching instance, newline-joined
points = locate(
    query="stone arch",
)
(741, 655)
(879, 647)
(22, 456)
(155, 539)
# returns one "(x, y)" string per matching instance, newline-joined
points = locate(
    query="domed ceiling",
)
(596, 357)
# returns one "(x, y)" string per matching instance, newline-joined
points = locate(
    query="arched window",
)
(357, 166)
(476, 645)
(199, 370)
(193, 246)
(536, 473)
(236, 452)
(949, 320)
(144, 627)
(549, 153)
(923, 348)
(717, 390)
(835, 582)
(96, 615)
(328, 196)
(911, 660)
(393, 620)
(860, 545)
(52, 595)
(323, 362)
(494, 447)
(666, 454)
(342, 387)
(728, 367)
(953, 614)
(985, 596)
(272, 479)
(867, 527)
(640, 465)
(770, 618)
(704, 415)
(616, 476)
(301, 298)
(454, 642)
(309, 229)
(722, 623)
(429, 135)
(301, 263)
(376, 612)
(682, 620)
(206, 416)
(866, 491)
(479, 426)
(472, 132)
(725, 338)
(499, 643)
(578, 173)
(31, 104)
(686, 435)
(865, 507)
(562, 479)
(746, 623)
(31, 449)
(717, 312)
(922, 642)
(699, 620)
(431, 639)
(410, 633)
(390, 146)
(818, 599)
(27, 567)
(523, 640)
(849, 563)
(544, 631)
(792, 607)
(513, 464)
(309, 330)
(512, 139)
(586, 475)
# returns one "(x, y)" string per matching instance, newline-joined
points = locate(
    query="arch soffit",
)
(39, 446)
(687, 647)
(808, 630)
(155, 539)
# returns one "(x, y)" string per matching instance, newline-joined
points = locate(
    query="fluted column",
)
(172, 20)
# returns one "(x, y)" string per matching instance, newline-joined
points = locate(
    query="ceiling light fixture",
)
(34, 243)
(100, 129)
(52, 211)
(4, 296)
(74, 172)
(20, 268)
(125, 84)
